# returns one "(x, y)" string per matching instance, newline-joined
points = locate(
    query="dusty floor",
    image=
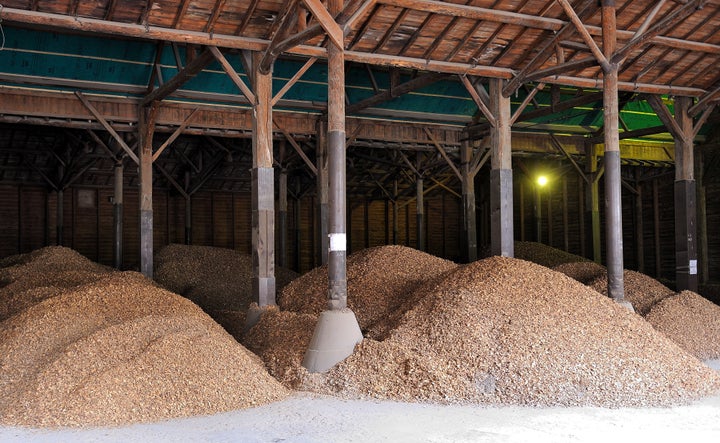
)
(308, 418)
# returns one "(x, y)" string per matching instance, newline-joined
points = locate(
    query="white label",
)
(693, 267)
(338, 242)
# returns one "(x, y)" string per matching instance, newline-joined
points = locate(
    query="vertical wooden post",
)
(298, 230)
(537, 212)
(366, 223)
(656, 228)
(702, 219)
(146, 129)
(581, 216)
(419, 207)
(322, 191)
(118, 215)
(337, 331)
(396, 214)
(639, 227)
(550, 225)
(468, 196)
(188, 210)
(613, 201)
(263, 192)
(566, 236)
(686, 265)
(501, 189)
(283, 218)
(593, 203)
(522, 210)
(59, 219)
(336, 161)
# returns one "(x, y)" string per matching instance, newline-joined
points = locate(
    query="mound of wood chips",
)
(219, 280)
(585, 271)
(380, 280)
(280, 338)
(506, 331)
(26, 279)
(544, 255)
(120, 350)
(641, 290)
(691, 321)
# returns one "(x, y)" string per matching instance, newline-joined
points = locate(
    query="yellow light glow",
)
(542, 180)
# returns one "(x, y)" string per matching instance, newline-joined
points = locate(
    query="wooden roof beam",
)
(642, 38)
(585, 34)
(476, 13)
(704, 102)
(396, 91)
(547, 49)
(188, 72)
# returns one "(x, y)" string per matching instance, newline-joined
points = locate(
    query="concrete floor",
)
(311, 418)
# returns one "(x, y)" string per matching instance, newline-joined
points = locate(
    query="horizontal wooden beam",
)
(476, 13)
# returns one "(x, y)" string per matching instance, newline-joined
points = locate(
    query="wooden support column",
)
(59, 221)
(419, 208)
(188, 210)
(686, 264)
(118, 215)
(283, 218)
(60, 209)
(501, 189)
(613, 201)
(322, 191)
(656, 228)
(146, 128)
(396, 213)
(263, 192)
(566, 234)
(468, 197)
(537, 212)
(593, 204)
(639, 228)
(703, 267)
(337, 331)
(336, 162)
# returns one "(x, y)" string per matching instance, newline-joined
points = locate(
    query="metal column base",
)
(335, 337)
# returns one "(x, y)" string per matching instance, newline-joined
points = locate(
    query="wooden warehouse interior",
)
(299, 131)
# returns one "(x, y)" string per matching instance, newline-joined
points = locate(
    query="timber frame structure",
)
(615, 52)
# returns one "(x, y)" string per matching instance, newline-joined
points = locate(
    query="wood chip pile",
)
(119, 350)
(506, 331)
(641, 290)
(281, 339)
(27, 279)
(691, 321)
(219, 280)
(380, 280)
(544, 255)
(584, 271)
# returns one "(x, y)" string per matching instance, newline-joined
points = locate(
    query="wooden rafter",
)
(247, 17)
(395, 91)
(188, 72)
(180, 13)
(668, 22)
(143, 19)
(217, 11)
(391, 30)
